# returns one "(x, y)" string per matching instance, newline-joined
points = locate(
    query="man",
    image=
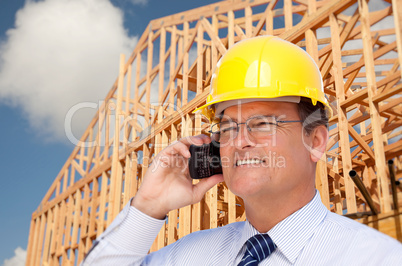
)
(266, 102)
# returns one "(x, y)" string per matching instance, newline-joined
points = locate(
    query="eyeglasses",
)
(257, 126)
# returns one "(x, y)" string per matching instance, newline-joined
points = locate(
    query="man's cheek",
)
(226, 162)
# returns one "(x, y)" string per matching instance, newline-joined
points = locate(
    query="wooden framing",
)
(168, 75)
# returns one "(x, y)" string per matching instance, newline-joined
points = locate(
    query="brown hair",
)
(312, 115)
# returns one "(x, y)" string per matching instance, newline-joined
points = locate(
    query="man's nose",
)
(244, 139)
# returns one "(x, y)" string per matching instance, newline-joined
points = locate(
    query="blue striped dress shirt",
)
(310, 236)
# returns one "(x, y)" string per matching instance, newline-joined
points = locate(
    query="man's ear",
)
(319, 139)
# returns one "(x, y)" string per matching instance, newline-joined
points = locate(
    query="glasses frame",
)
(275, 123)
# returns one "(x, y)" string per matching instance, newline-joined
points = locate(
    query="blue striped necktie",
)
(258, 247)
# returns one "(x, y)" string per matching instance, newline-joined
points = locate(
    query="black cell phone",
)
(205, 161)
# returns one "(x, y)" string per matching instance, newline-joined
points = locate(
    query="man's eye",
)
(262, 124)
(227, 129)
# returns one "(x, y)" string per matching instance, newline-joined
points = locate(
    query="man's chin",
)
(244, 186)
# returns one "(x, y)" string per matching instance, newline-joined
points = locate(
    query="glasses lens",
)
(215, 128)
(259, 126)
(227, 131)
(266, 124)
(227, 127)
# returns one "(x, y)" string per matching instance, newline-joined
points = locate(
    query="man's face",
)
(277, 164)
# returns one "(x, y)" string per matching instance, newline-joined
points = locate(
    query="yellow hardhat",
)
(264, 67)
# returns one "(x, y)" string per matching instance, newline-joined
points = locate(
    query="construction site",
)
(168, 75)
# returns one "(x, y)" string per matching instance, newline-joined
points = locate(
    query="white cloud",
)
(60, 53)
(18, 259)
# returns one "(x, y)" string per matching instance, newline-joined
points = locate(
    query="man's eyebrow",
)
(267, 115)
(228, 119)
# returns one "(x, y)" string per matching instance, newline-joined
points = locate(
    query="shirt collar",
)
(292, 233)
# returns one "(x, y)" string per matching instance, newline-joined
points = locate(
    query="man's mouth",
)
(248, 162)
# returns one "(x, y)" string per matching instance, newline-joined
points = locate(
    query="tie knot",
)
(258, 247)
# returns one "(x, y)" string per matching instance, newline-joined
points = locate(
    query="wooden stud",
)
(150, 50)
(231, 28)
(287, 7)
(196, 208)
(84, 239)
(69, 221)
(54, 232)
(102, 208)
(173, 41)
(116, 177)
(322, 180)
(172, 216)
(159, 143)
(128, 179)
(185, 212)
(342, 117)
(30, 242)
(337, 189)
(200, 65)
(34, 244)
(76, 222)
(374, 108)
(134, 174)
(162, 48)
(397, 12)
(185, 65)
(39, 251)
(249, 22)
(269, 19)
(61, 228)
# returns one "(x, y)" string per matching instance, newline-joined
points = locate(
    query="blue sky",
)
(33, 145)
